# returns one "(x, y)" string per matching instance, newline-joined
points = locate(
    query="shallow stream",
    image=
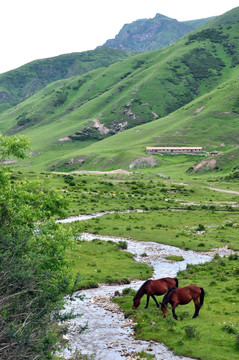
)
(107, 334)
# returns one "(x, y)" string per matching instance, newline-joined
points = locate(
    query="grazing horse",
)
(154, 287)
(182, 296)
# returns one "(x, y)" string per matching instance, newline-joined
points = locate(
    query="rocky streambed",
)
(99, 328)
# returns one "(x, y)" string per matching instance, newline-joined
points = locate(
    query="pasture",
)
(181, 211)
(214, 334)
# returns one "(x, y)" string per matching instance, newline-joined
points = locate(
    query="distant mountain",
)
(194, 24)
(19, 84)
(152, 34)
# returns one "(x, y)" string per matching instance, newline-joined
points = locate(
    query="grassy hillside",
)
(19, 84)
(185, 94)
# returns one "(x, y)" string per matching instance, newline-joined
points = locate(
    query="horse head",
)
(164, 309)
(136, 303)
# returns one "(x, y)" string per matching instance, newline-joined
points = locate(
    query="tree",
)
(33, 261)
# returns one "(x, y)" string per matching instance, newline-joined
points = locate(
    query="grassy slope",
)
(132, 91)
(216, 124)
(19, 84)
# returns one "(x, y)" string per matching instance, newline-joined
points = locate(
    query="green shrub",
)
(229, 328)
(191, 332)
(123, 244)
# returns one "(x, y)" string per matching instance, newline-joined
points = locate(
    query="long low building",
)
(174, 150)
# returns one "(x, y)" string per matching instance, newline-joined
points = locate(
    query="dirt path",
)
(118, 171)
(224, 191)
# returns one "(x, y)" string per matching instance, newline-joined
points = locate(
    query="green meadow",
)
(177, 208)
(169, 217)
(214, 334)
(98, 262)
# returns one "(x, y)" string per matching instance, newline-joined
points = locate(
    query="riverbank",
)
(107, 332)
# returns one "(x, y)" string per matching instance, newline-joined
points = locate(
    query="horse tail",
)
(176, 281)
(166, 296)
(201, 296)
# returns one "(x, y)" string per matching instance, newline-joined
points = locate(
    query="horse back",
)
(185, 294)
(160, 286)
(171, 282)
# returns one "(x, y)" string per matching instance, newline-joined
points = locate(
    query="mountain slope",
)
(19, 84)
(211, 121)
(151, 34)
(194, 24)
(81, 122)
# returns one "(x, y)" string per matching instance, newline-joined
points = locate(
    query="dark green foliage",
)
(21, 83)
(200, 227)
(60, 98)
(229, 328)
(200, 63)
(191, 332)
(214, 35)
(88, 133)
(33, 263)
(233, 176)
(123, 245)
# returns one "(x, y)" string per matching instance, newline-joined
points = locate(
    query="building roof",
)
(173, 147)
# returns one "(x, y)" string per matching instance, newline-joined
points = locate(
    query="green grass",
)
(174, 258)
(103, 262)
(209, 224)
(24, 81)
(189, 216)
(213, 335)
(145, 190)
(171, 228)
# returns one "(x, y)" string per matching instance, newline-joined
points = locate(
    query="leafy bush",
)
(191, 332)
(229, 328)
(33, 263)
(200, 227)
(123, 244)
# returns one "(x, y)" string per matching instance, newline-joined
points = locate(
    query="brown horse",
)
(154, 287)
(182, 296)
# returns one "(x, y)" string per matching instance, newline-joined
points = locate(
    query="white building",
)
(193, 150)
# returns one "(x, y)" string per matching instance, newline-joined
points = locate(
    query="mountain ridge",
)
(151, 34)
(18, 84)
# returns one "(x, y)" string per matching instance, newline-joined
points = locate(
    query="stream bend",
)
(107, 334)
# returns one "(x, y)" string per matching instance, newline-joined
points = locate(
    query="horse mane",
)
(140, 289)
(176, 280)
(166, 296)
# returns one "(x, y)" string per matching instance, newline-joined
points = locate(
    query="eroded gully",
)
(107, 334)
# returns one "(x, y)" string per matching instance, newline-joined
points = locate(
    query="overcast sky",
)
(36, 29)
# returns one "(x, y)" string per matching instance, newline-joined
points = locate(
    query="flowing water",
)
(100, 329)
